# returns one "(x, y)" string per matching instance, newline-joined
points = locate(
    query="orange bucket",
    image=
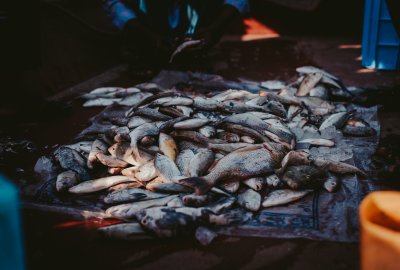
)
(380, 231)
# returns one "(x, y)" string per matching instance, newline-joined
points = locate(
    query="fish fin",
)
(200, 185)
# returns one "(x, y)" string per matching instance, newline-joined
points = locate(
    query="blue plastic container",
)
(11, 252)
(381, 43)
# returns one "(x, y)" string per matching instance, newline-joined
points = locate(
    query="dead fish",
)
(65, 180)
(146, 172)
(127, 185)
(185, 144)
(293, 111)
(276, 108)
(232, 94)
(152, 114)
(99, 184)
(122, 152)
(166, 167)
(311, 69)
(114, 171)
(136, 121)
(208, 131)
(183, 161)
(245, 131)
(148, 129)
(319, 91)
(193, 123)
(318, 142)
(337, 167)
(184, 46)
(125, 231)
(121, 134)
(206, 104)
(308, 83)
(147, 141)
(186, 111)
(294, 158)
(358, 131)
(171, 111)
(170, 188)
(204, 235)
(150, 99)
(273, 84)
(231, 187)
(228, 147)
(167, 126)
(303, 176)
(273, 180)
(284, 99)
(103, 92)
(247, 139)
(239, 107)
(174, 203)
(337, 120)
(101, 102)
(252, 161)
(98, 146)
(171, 101)
(131, 195)
(168, 146)
(332, 183)
(129, 210)
(191, 136)
(194, 200)
(83, 146)
(70, 159)
(221, 205)
(250, 200)
(110, 161)
(200, 162)
(134, 99)
(317, 105)
(255, 183)
(228, 137)
(283, 196)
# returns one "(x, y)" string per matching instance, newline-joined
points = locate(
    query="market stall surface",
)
(57, 242)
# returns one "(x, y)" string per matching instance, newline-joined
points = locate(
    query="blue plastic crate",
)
(381, 43)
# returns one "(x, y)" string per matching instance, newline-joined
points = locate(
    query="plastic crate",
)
(381, 43)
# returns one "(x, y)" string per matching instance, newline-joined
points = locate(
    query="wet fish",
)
(319, 91)
(196, 200)
(221, 205)
(131, 195)
(186, 111)
(228, 147)
(303, 176)
(318, 142)
(101, 102)
(232, 94)
(149, 99)
(184, 46)
(147, 141)
(230, 187)
(98, 146)
(283, 196)
(174, 203)
(70, 159)
(273, 180)
(170, 188)
(65, 180)
(171, 111)
(83, 146)
(206, 104)
(244, 131)
(148, 129)
(166, 167)
(255, 183)
(200, 162)
(239, 107)
(191, 136)
(152, 114)
(337, 167)
(122, 152)
(208, 131)
(311, 69)
(250, 200)
(183, 161)
(337, 120)
(136, 121)
(127, 185)
(276, 108)
(193, 123)
(129, 210)
(99, 184)
(125, 231)
(228, 137)
(172, 101)
(308, 83)
(168, 146)
(294, 158)
(247, 139)
(332, 183)
(114, 171)
(111, 161)
(146, 172)
(134, 99)
(358, 131)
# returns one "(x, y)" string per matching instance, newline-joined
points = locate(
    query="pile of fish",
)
(177, 162)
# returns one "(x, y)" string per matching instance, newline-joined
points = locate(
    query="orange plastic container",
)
(380, 231)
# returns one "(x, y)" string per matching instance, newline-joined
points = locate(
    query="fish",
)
(134, 99)
(200, 162)
(240, 165)
(70, 159)
(228, 147)
(191, 136)
(247, 139)
(186, 111)
(319, 91)
(136, 121)
(171, 111)
(183, 161)
(168, 146)
(206, 104)
(101, 102)
(171, 101)
(131, 195)
(358, 131)
(308, 83)
(98, 146)
(184, 46)
(276, 108)
(318, 142)
(147, 141)
(283, 196)
(167, 126)
(148, 129)
(111, 161)
(208, 131)
(337, 167)
(121, 134)
(311, 69)
(230, 187)
(239, 107)
(125, 231)
(151, 113)
(273, 84)
(228, 137)
(170, 188)
(146, 172)
(221, 205)
(166, 167)
(114, 171)
(332, 183)
(273, 180)
(65, 180)
(316, 105)
(103, 92)
(83, 146)
(194, 200)
(255, 183)
(122, 152)
(337, 120)
(126, 185)
(193, 123)
(99, 184)
(244, 131)
(174, 203)
(232, 94)
(129, 210)
(250, 200)
(303, 176)
(149, 99)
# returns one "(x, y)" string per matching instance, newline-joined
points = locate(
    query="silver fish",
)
(273, 180)
(136, 121)
(148, 129)
(303, 176)
(123, 186)
(319, 91)
(208, 131)
(234, 95)
(168, 146)
(250, 200)
(174, 203)
(70, 159)
(200, 162)
(184, 46)
(332, 183)
(206, 104)
(196, 200)
(125, 231)
(131, 195)
(247, 139)
(166, 167)
(337, 120)
(101, 102)
(151, 113)
(231, 187)
(221, 205)
(111, 161)
(134, 99)
(283, 196)
(65, 180)
(146, 172)
(256, 183)
(193, 123)
(308, 83)
(172, 101)
(228, 137)
(98, 146)
(187, 111)
(318, 142)
(99, 184)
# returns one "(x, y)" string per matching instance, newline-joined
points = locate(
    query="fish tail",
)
(200, 185)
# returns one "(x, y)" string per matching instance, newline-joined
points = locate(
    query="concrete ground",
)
(277, 41)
